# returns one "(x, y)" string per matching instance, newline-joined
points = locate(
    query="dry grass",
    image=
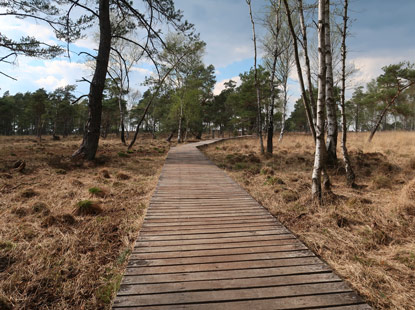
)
(66, 229)
(365, 234)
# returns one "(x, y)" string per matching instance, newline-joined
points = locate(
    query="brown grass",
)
(53, 255)
(365, 234)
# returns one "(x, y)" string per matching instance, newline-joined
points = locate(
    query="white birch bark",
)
(320, 147)
(179, 133)
(332, 130)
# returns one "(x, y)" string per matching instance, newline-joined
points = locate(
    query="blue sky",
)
(382, 33)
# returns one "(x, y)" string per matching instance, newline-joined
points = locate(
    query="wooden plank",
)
(211, 228)
(281, 262)
(297, 302)
(193, 247)
(228, 274)
(191, 222)
(215, 240)
(218, 258)
(148, 237)
(232, 294)
(132, 289)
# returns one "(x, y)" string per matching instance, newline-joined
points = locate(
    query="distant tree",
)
(390, 86)
(38, 107)
(61, 111)
(219, 112)
(298, 120)
(243, 101)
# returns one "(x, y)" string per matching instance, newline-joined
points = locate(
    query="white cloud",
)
(16, 28)
(87, 42)
(51, 82)
(219, 86)
(370, 67)
(49, 74)
(142, 71)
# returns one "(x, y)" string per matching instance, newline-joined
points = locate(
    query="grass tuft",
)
(96, 191)
(87, 207)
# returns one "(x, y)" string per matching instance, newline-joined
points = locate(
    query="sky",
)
(382, 33)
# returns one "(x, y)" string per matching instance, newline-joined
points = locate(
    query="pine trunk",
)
(271, 110)
(90, 141)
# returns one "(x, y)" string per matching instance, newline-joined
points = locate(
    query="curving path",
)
(207, 244)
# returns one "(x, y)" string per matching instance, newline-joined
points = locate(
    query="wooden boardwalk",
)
(207, 244)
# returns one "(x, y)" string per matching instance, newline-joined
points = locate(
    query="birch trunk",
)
(299, 72)
(271, 109)
(179, 131)
(350, 176)
(258, 97)
(320, 147)
(284, 109)
(307, 61)
(121, 113)
(332, 130)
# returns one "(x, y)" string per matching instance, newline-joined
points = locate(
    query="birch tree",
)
(285, 64)
(257, 88)
(319, 159)
(122, 59)
(307, 60)
(332, 130)
(306, 101)
(350, 176)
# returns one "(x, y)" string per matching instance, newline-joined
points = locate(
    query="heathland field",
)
(67, 228)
